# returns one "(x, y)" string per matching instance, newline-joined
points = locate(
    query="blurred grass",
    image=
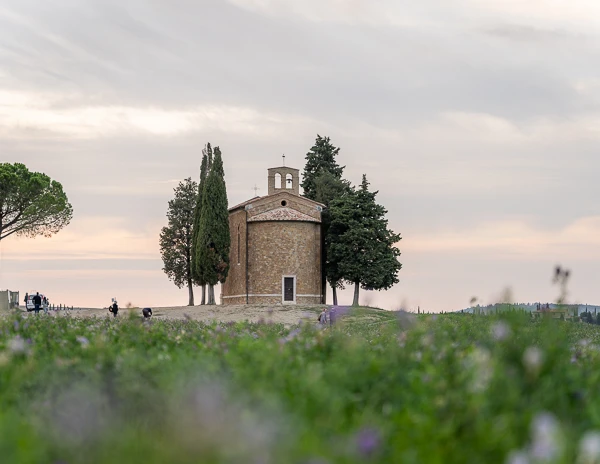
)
(378, 387)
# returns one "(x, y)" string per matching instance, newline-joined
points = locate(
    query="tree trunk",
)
(323, 271)
(334, 294)
(356, 290)
(203, 302)
(211, 294)
(191, 293)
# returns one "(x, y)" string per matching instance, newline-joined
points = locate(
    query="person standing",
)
(114, 308)
(323, 317)
(45, 303)
(26, 299)
(37, 302)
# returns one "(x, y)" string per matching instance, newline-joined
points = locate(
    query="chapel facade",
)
(275, 255)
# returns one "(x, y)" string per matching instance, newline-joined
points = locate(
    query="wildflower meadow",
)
(377, 387)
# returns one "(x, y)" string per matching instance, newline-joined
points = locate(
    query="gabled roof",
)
(283, 214)
(283, 192)
(245, 203)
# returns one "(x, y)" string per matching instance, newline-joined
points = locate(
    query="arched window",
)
(289, 183)
(277, 181)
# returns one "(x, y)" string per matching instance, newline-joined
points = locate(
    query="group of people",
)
(114, 309)
(327, 316)
(38, 301)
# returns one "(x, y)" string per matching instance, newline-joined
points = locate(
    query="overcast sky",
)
(477, 120)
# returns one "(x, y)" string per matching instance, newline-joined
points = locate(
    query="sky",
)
(478, 121)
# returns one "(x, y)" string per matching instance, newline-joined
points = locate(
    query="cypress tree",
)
(322, 182)
(361, 246)
(196, 270)
(213, 234)
(327, 188)
(321, 157)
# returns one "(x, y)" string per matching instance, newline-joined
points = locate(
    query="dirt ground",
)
(288, 315)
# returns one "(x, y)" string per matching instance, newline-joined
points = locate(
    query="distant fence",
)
(60, 307)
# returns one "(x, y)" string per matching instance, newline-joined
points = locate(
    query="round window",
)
(284, 203)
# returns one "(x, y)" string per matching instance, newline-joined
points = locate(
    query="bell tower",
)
(284, 179)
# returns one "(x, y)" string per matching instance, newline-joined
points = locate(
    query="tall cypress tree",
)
(196, 270)
(361, 245)
(328, 188)
(214, 239)
(321, 157)
(322, 182)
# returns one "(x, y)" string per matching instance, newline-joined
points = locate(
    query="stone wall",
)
(235, 285)
(283, 171)
(294, 202)
(278, 249)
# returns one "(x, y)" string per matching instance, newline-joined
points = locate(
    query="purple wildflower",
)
(368, 441)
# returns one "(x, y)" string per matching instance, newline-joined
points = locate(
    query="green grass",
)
(377, 388)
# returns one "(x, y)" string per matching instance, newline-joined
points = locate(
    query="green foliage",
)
(204, 169)
(320, 158)
(214, 239)
(176, 238)
(31, 203)
(378, 387)
(327, 189)
(361, 247)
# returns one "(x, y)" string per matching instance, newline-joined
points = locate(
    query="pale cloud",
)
(580, 240)
(477, 120)
(576, 14)
(87, 238)
(22, 114)
(573, 14)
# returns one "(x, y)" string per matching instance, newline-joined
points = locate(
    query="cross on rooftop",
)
(283, 160)
(256, 189)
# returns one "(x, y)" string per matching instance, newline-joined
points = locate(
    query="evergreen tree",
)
(176, 238)
(321, 157)
(204, 169)
(31, 203)
(360, 245)
(213, 234)
(327, 188)
(322, 182)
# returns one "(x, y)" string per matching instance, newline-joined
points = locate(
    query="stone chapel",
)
(275, 255)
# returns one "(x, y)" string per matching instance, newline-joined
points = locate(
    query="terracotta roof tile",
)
(283, 214)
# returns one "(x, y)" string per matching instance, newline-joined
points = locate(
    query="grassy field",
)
(378, 387)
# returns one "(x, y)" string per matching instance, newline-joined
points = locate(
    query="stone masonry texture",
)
(275, 248)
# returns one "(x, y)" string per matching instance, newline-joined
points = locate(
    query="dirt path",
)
(288, 315)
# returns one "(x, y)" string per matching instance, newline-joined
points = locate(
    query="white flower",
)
(589, 448)
(480, 363)
(500, 331)
(546, 438)
(17, 345)
(84, 341)
(517, 457)
(533, 358)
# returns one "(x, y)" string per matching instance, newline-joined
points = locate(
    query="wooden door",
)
(288, 289)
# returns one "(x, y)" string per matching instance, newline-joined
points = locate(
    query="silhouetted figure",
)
(114, 308)
(147, 312)
(37, 302)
